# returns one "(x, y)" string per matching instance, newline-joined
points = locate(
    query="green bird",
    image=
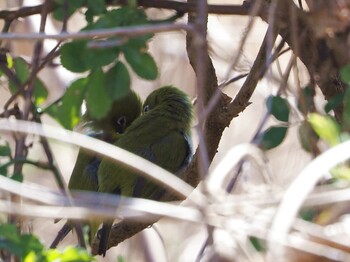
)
(84, 175)
(162, 136)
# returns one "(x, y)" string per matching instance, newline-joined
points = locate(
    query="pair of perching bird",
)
(161, 135)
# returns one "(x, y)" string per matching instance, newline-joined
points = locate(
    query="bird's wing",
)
(84, 174)
(171, 152)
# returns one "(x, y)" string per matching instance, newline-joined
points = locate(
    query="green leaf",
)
(17, 177)
(257, 243)
(278, 107)
(98, 102)
(273, 137)
(73, 56)
(76, 57)
(341, 172)
(117, 81)
(19, 245)
(9, 60)
(40, 92)
(67, 111)
(72, 6)
(3, 170)
(308, 214)
(97, 6)
(346, 110)
(307, 137)
(101, 57)
(21, 68)
(121, 17)
(142, 63)
(22, 73)
(5, 150)
(345, 74)
(8, 231)
(69, 254)
(326, 128)
(334, 102)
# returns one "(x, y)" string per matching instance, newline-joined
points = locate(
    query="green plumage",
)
(84, 174)
(162, 136)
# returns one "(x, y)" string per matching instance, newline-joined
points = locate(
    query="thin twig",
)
(99, 33)
(11, 15)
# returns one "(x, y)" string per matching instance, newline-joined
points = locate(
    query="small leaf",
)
(69, 254)
(3, 170)
(8, 231)
(73, 56)
(308, 214)
(40, 92)
(98, 102)
(72, 5)
(257, 243)
(67, 111)
(101, 57)
(278, 107)
(21, 68)
(97, 6)
(326, 128)
(333, 102)
(142, 63)
(5, 150)
(117, 81)
(22, 73)
(76, 57)
(341, 172)
(345, 74)
(9, 60)
(17, 177)
(26, 247)
(273, 137)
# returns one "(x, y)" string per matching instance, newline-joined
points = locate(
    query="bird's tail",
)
(61, 235)
(104, 236)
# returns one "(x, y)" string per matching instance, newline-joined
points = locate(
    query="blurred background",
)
(183, 240)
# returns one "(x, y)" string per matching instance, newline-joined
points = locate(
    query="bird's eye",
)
(121, 124)
(146, 109)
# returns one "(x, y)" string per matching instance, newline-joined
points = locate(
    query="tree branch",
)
(322, 34)
(10, 15)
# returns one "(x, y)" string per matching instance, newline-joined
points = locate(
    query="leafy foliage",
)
(28, 248)
(22, 71)
(278, 107)
(273, 137)
(103, 86)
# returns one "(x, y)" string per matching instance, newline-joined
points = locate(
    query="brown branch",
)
(26, 11)
(219, 118)
(10, 15)
(257, 71)
(321, 43)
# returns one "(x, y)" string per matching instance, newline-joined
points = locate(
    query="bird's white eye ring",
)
(121, 124)
(121, 121)
(146, 109)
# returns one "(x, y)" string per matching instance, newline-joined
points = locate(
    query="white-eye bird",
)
(84, 175)
(161, 135)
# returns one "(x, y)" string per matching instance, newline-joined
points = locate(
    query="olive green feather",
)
(84, 175)
(162, 136)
